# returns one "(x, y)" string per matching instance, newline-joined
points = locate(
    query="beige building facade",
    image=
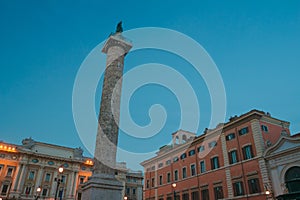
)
(30, 171)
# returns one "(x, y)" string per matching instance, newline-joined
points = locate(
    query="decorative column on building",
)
(103, 184)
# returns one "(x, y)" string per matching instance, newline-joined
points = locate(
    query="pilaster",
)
(258, 138)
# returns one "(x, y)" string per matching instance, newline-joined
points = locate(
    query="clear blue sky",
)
(255, 44)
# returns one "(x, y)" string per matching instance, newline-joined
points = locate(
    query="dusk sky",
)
(254, 44)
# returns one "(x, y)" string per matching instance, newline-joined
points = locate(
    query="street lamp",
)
(58, 180)
(125, 198)
(174, 186)
(38, 191)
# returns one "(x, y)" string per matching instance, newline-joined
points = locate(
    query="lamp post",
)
(58, 180)
(268, 192)
(174, 186)
(38, 192)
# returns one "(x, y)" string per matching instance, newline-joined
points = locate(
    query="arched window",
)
(177, 140)
(292, 179)
(184, 138)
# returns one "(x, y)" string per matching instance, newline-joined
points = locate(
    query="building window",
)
(61, 193)
(247, 152)
(175, 159)
(147, 184)
(192, 152)
(264, 128)
(128, 191)
(215, 163)
(44, 192)
(160, 180)
(212, 144)
(27, 190)
(160, 165)
(176, 175)
(184, 172)
(230, 136)
(253, 185)
(63, 179)
(81, 180)
(152, 182)
(47, 177)
(183, 156)
(9, 171)
(292, 179)
(202, 166)
(169, 177)
(201, 148)
(31, 175)
(218, 192)
(243, 131)
(238, 188)
(79, 196)
(195, 195)
(205, 194)
(233, 157)
(168, 162)
(185, 196)
(193, 170)
(133, 190)
(4, 189)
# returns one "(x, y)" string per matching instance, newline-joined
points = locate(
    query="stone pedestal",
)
(102, 187)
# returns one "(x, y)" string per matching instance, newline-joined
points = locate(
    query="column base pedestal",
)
(102, 187)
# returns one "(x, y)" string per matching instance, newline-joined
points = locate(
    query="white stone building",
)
(32, 165)
(283, 161)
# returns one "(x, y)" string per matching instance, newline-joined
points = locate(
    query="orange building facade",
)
(223, 163)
